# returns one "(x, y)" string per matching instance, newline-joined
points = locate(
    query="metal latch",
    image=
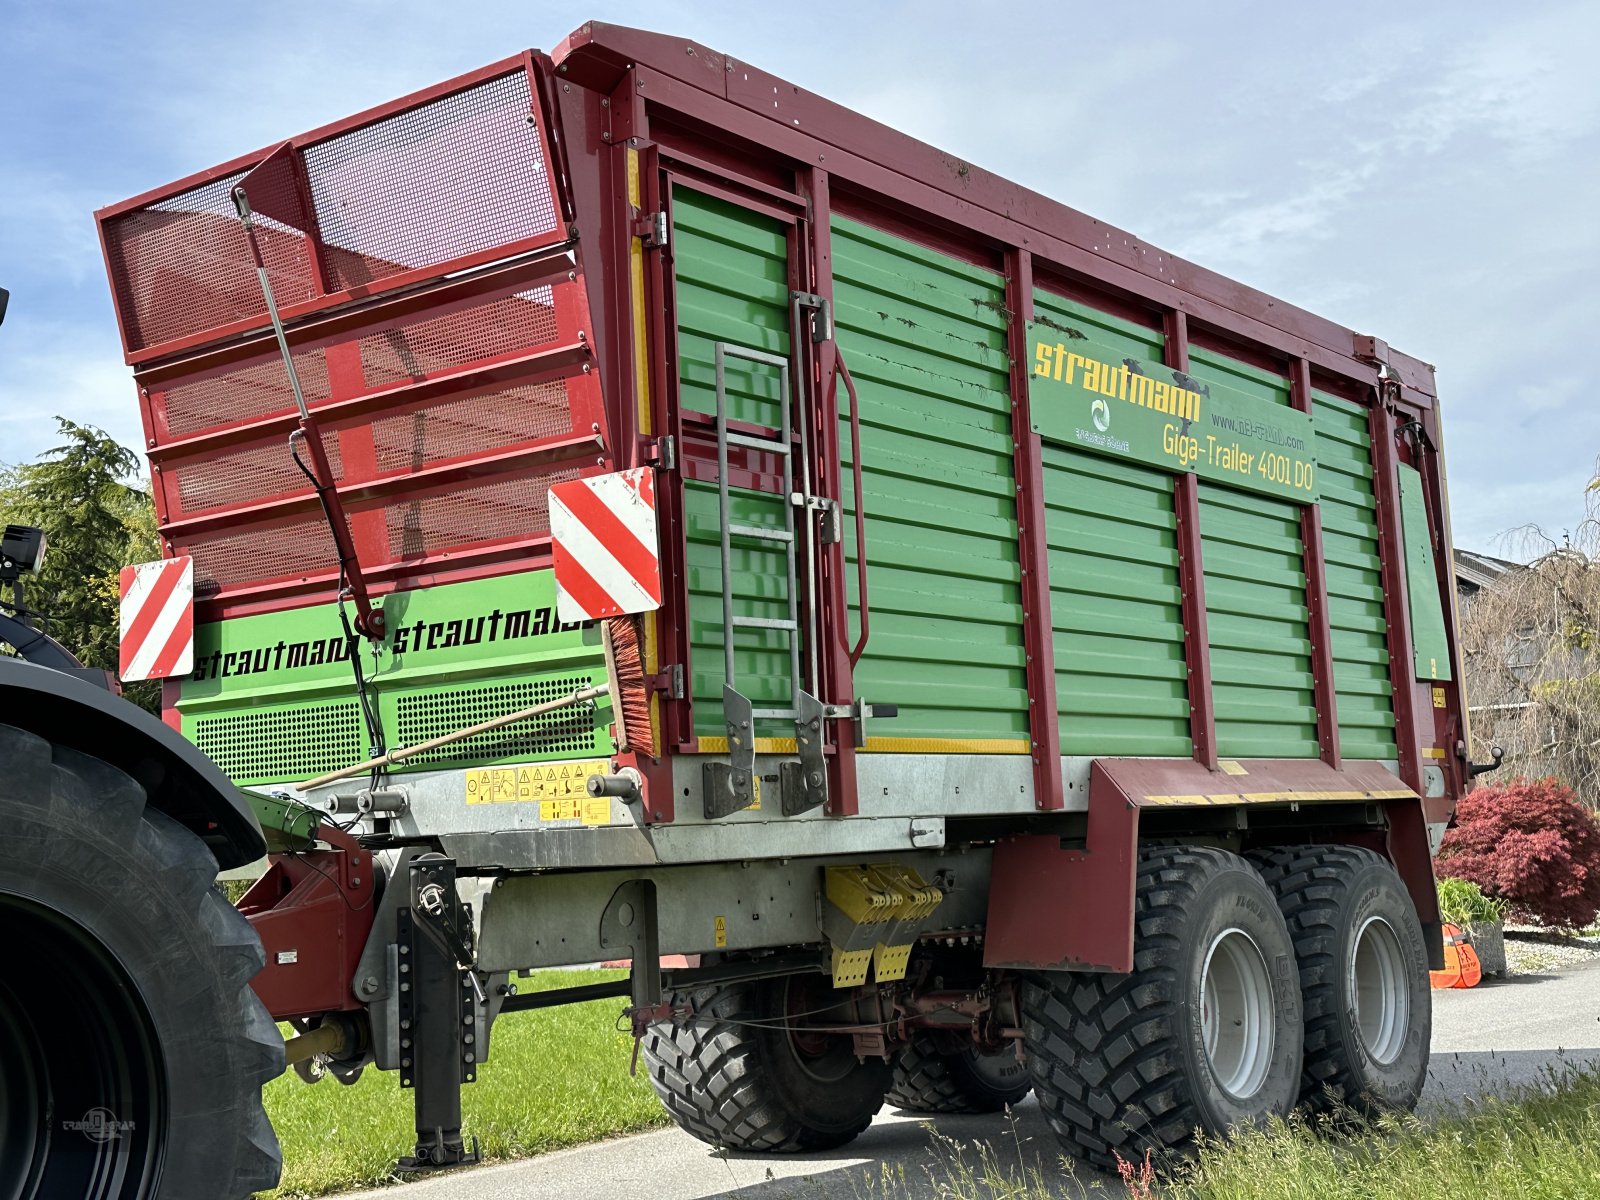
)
(669, 681)
(663, 453)
(651, 229)
(830, 527)
(857, 713)
(821, 329)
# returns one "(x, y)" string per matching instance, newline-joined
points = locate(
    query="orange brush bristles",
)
(632, 701)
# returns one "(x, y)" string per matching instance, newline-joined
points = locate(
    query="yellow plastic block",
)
(889, 962)
(850, 966)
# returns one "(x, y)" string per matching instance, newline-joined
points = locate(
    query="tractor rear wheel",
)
(132, 1050)
(930, 1077)
(1203, 1033)
(1363, 976)
(742, 1072)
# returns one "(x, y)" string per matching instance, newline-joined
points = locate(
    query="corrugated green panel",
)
(1262, 688)
(1115, 605)
(761, 656)
(732, 286)
(1261, 683)
(925, 339)
(1430, 645)
(731, 270)
(1355, 580)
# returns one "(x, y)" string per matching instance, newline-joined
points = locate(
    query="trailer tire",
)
(929, 1078)
(1123, 1064)
(1363, 976)
(132, 1050)
(732, 1076)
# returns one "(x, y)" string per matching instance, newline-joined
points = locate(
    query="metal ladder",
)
(802, 785)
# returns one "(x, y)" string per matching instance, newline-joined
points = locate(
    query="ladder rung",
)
(756, 531)
(766, 623)
(771, 445)
(786, 713)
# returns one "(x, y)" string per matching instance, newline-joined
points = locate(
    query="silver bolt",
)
(369, 985)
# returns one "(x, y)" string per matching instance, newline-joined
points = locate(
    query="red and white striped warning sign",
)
(157, 619)
(603, 536)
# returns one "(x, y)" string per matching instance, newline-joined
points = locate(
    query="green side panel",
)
(1262, 689)
(761, 656)
(1115, 604)
(732, 286)
(1261, 684)
(731, 279)
(924, 336)
(1430, 645)
(273, 697)
(1355, 580)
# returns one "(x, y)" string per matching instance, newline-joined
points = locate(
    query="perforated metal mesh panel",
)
(257, 472)
(565, 731)
(182, 266)
(282, 743)
(474, 424)
(515, 508)
(259, 390)
(420, 348)
(462, 174)
(300, 548)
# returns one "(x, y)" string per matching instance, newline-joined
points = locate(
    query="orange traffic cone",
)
(1461, 966)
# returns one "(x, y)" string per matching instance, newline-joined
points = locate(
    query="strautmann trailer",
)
(999, 654)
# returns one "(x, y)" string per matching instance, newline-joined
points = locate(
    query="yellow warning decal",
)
(560, 788)
(1438, 697)
(720, 932)
(1229, 767)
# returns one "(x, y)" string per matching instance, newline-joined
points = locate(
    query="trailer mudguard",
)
(180, 780)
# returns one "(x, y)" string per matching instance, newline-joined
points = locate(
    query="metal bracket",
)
(652, 230)
(804, 785)
(663, 452)
(669, 681)
(821, 331)
(629, 923)
(730, 786)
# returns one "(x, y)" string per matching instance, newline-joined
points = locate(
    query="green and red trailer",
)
(636, 508)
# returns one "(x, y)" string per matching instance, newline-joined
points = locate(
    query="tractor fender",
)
(180, 781)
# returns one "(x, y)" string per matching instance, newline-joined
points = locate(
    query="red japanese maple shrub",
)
(1529, 843)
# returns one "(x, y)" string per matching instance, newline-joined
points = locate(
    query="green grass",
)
(556, 1077)
(1463, 903)
(1535, 1143)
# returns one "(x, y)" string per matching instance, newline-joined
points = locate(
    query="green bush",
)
(1463, 903)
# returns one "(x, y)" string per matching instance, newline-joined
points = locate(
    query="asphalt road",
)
(1507, 1032)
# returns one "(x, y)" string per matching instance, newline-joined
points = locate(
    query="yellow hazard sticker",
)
(561, 789)
(1438, 697)
(720, 932)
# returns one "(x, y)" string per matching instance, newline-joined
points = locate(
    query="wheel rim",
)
(825, 1057)
(81, 1108)
(1379, 995)
(1236, 1013)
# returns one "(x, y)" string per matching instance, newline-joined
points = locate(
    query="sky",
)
(1428, 173)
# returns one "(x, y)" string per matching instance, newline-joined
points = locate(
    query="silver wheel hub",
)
(1378, 995)
(1236, 1009)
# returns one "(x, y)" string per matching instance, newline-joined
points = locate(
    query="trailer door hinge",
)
(663, 453)
(669, 681)
(651, 229)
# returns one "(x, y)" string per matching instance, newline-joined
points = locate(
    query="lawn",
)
(554, 1078)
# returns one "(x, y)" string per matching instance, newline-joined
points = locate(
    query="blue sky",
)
(1427, 173)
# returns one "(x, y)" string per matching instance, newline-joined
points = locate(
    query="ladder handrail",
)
(840, 369)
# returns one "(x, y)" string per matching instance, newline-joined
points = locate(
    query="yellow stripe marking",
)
(884, 745)
(641, 343)
(1277, 797)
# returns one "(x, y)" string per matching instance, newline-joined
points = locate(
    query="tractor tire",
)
(734, 1076)
(1203, 1033)
(928, 1079)
(1363, 976)
(132, 1050)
